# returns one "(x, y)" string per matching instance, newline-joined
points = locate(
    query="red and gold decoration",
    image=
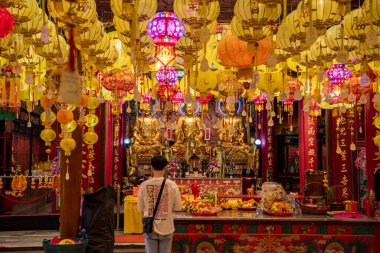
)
(6, 22)
(165, 29)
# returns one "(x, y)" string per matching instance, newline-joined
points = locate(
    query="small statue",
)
(219, 156)
(252, 158)
(132, 164)
(166, 151)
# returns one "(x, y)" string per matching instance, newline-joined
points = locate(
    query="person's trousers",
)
(155, 243)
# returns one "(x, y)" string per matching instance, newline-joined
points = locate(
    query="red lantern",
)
(6, 22)
(165, 30)
(337, 74)
(177, 98)
(259, 101)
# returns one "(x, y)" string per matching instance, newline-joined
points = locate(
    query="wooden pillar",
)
(71, 189)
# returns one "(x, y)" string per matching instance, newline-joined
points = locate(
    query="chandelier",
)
(165, 30)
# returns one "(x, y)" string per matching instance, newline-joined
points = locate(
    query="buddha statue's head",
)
(189, 109)
(166, 143)
(146, 110)
(231, 110)
(218, 143)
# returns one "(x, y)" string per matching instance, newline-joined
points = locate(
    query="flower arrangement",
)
(173, 167)
(213, 167)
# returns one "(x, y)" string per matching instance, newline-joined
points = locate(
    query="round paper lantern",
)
(244, 32)
(6, 22)
(90, 138)
(324, 13)
(101, 47)
(48, 118)
(125, 9)
(24, 11)
(28, 29)
(196, 13)
(93, 103)
(108, 58)
(206, 81)
(307, 60)
(285, 42)
(6, 42)
(256, 14)
(167, 76)
(67, 144)
(355, 25)
(333, 39)
(91, 120)
(321, 52)
(48, 135)
(16, 50)
(91, 37)
(296, 29)
(371, 11)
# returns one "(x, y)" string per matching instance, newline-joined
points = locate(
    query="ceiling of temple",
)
(225, 16)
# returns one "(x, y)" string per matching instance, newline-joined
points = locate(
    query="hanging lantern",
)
(177, 99)
(243, 31)
(165, 30)
(337, 74)
(319, 14)
(125, 10)
(320, 52)
(166, 76)
(147, 97)
(24, 11)
(296, 30)
(333, 39)
(259, 101)
(16, 51)
(355, 25)
(6, 22)
(371, 11)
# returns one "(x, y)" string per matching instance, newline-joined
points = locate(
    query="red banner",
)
(307, 144)
(341, 156)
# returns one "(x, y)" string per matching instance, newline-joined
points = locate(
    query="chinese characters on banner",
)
(270, 154)
(341, 158)
(310, 134)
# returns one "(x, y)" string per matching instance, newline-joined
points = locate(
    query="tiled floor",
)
(31, 241)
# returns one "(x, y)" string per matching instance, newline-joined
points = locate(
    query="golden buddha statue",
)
(231, 130)
(166, 151)
(188, 126)
(252, 158)
(147, 132)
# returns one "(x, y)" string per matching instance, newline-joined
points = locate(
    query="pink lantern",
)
(147, 97)
(165, 30)
(6, 22)
(337, 74)
(167, 76)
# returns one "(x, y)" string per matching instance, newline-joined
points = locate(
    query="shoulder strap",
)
(159, 197)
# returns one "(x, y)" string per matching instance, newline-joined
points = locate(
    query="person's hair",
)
(159, 162)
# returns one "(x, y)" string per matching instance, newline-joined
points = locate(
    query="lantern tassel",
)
(72, 50)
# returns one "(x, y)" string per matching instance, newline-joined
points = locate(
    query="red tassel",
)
(72, 50)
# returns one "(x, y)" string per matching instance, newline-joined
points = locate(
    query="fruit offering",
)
(248, 204)
(281, 207)
(229, 203)
(202, 205)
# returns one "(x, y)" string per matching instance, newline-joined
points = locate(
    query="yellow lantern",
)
(79, 13)
(282, 55)
(333, 39)
(108, 58)
(91, 120)
(296, 29)
(54, 51)
(67, 144)
(24, 11)
(84, 40)
(6, 42)
(124, 27)
(206, 81)
(71, 126)
(37, 40)
(101, 47)
(244, 31)
(93, 103)
(307, 59)
(28, 29)
(324, 13)
(320, 52)
(285, 42)
(31, 59)
(125, 9)
(371, 11)
(355, 25)
(48, 118)
(90, 138)
(256, 14)
(17, 49)
(48, 135)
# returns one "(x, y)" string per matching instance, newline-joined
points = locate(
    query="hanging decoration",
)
(6, 22)
(10, 88)
(337, 75)
(165, 29)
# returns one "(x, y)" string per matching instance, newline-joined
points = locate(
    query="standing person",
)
(160, 241)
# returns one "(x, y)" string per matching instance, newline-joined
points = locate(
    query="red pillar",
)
(108, 147)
